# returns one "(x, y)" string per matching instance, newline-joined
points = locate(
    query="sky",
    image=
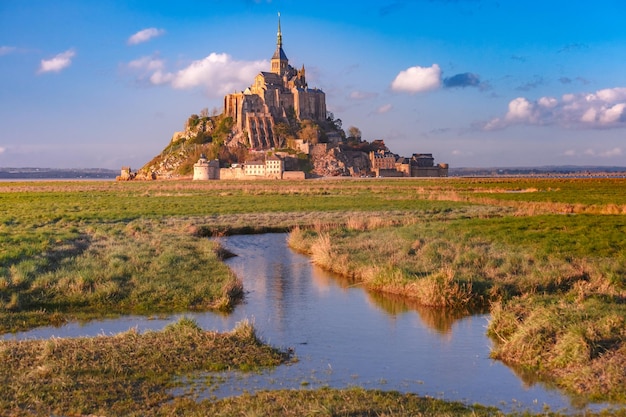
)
(477, 83)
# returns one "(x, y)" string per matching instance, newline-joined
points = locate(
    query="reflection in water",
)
(344, 336)
(437, 319)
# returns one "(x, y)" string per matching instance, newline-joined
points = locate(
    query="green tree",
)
(282, 131)
(193, 121)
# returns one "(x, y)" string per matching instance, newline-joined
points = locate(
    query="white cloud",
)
(418, 79)
(220, 74)
(2, 150)
(145, 35)
(548, 102)
(611, 153)
(599, 110)
(146, 63)
(59, 62)
(5, 50)
(608, 153)
(384, 108)
(519, 109)
(145, 67)
(362, 95)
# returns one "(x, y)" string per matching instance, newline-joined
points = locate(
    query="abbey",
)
(275, 97)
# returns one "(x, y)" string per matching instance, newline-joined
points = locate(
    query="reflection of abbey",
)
(274, 97)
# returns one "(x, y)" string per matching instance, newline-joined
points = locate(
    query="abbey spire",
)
(279, 60)
(273, 98)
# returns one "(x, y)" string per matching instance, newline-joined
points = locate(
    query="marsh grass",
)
(555, 284)
(141, 267)
(328, 402)
(123, 374)
(83, 250)
(351, 402)
(581, 343)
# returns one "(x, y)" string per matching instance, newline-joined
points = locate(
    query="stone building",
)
(272, 168)
(382, 160)
(274, 97)
(125, 174)
(423, 165)
(385, 164)
(204, 169)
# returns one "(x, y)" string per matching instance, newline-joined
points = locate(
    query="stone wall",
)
(294, 175)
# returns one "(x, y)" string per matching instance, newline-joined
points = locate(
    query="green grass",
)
(125, 374)
(141, 267)
(555, 282)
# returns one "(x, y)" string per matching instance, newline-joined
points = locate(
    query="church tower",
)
(279, 60)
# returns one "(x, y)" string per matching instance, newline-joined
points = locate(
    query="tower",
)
(279, 60)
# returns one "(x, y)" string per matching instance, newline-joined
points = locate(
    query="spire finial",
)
(279, 35)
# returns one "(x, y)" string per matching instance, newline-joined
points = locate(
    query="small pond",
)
(344, 336)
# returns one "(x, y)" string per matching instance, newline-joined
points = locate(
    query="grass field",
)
(547, 256)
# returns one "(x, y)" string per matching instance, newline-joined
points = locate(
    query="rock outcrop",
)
(333, 161)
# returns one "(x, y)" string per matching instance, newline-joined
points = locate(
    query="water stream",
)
(344, 336)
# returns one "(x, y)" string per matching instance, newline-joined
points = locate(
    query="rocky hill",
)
(214, 137)
(201, 135)
(333, 161)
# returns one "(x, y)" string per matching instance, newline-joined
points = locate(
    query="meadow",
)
(546, 256)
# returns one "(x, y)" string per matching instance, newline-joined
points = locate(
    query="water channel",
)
(344, 336)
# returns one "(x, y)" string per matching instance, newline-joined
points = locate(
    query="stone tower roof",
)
(279, 54)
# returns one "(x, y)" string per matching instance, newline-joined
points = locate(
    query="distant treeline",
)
(540, 171)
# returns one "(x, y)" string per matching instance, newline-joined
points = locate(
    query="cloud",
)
(607, 153)
(602, 109)
(384, 108)
(418, 79)
(611, 153)
(466, 79)
(220, 74)
(536, 82)
(145, 35)
(362, 95)
(5, 50)
(567, 80)
(2, 150)
(147, 64)
(59, 62)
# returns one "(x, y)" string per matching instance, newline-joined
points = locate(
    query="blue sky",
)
(87, 83)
